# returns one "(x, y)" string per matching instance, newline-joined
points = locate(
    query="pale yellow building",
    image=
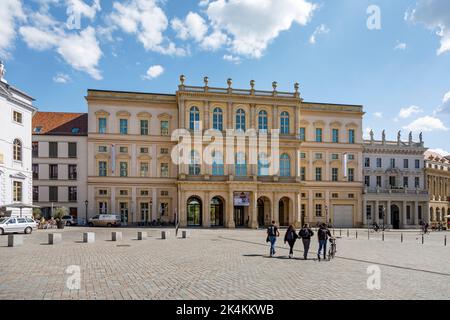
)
(131, 171)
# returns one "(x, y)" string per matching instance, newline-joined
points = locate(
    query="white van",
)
(104, 220)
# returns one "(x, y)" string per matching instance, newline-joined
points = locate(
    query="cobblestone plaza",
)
(222, 264)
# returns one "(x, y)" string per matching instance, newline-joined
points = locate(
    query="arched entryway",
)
(431, 214)
(284, 207)
(216, 211)
(438, 214)
(194, 212)
(263, 211)
(395, 216)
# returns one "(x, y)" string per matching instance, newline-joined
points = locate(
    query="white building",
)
(16, 112)
(60, 162)
(394, 188)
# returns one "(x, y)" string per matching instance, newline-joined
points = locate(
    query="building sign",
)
(242, 199)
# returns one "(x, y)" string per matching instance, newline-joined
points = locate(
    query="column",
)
(112, 208)
(253, 116)
(426, 213)
(206, 211)
(275, 210)
(388, 214)
(181, 209)
(154, 205)
(403, 220)
(328, 207)
(311, 170)
(254, 211)
(377, 212)
(182, 113)
(416, 213)
(230, 210)
(297, 210)
(275, 117)
(230, 116)
(296, 120)
(364, 212)
(206, 124)
(310, 207)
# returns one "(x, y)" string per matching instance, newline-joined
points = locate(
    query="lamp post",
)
(383, 215)
(326, 215)
(86, 204)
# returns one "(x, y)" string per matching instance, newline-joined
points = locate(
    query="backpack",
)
(290, 235)
(304, 233)
(271, 231)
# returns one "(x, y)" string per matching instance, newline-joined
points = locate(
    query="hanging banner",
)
(242, 199)
(345, 164)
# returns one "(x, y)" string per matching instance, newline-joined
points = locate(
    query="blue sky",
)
(399, 72)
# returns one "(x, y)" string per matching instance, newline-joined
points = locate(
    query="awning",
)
(19, 205)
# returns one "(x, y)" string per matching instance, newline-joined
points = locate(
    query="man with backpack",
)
(323, 234)
(290, 237)
(306, 233)
(272, 234)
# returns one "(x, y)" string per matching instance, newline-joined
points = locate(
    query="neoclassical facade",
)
(437, 169)
(395, 192)
(317, 168)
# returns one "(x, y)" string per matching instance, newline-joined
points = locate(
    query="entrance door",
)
(194, 212)
(261, 213)
(239, 216)
(395, 217)
(216, 212)
(124, 212)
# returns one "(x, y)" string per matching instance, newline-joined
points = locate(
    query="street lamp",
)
(383, 215)
(86, 204)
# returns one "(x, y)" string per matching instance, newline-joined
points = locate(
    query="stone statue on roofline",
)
(371, 135)
(399, 136)
(383, 136)
(421, 138)
(410, 138)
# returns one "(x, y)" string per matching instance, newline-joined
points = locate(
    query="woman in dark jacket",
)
(290, 237)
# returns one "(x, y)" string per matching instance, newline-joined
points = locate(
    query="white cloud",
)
(434, 14)
(231, 58)
(203, 3)
(38, 39)
(400, 46)
(253, 24)
(11, 12)
(154, 72)
(193, 26)
(426, 124)
(440, 151)
(407, 112)
(378, 115)
(214, 41)
(79, 8)
(322, 29)
(61, 78)
(147, 21)
(445, 107)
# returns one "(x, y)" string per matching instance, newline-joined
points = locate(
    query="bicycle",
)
(332, 250)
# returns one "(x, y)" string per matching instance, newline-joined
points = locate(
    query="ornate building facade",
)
(437, 169)
(395, 192)
(131, 172)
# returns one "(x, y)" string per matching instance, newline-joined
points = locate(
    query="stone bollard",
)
(116, 236)
(54, 238)
(142, 235)
(165, 234)
(184, 234)
(15, 240)
(88, 237)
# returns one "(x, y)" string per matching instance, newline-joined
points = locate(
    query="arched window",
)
(285, 165)
(218, 119)
(262, 120)
(194, 118)
(241, 165)
(194, 212)
(284, 123)
(263, 164)
(194, 165)
(217, 165)
(240, 120)
(17, 152)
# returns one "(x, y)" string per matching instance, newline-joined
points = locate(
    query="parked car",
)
(16, 224)
(104, 220)
(70, 220)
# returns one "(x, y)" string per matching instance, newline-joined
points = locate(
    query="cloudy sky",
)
(393, 57)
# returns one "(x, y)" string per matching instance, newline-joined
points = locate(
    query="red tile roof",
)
(60, 123)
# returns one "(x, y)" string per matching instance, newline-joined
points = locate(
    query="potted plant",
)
(36, 214)
(58, 214)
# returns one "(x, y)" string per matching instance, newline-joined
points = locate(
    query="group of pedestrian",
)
(305, 233)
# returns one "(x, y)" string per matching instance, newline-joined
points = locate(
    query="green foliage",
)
(58, 213)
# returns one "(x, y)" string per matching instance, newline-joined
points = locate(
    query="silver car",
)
(15, 224)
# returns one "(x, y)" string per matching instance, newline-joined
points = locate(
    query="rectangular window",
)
(164, 151)
(144, 169)
(102, 169)
(144, 193)
(53, 171)
(72, 149)
(123, 126)
(392, 182)
(405, 182)
(102, 125)
(351, 136)
(318, 195)
(417, 163)
(72, 171)
(318, 174)
(35, 149)
(302, 155)
(102, 149)
(367, 162)
(144, 150)
(144, 211)
(318, 210)
(17, 116)
(420, 212)
(53, 149)
(164, 170)
(123, 192)
(369, 212)
(392, 163)
(334, 156)
(335, 195)
(408, 212)
(144, 127)
(380, 212)
(303, 173)
(417, 182)
(351, 195)
(319, 137)
(379, 162)
(72, 194)
(164, 193)
(53, 194)
(123, 149)
(335, 136)
(405, 163)
(351, 174)
(351, 156)
(367, 181)
(164, 208)
(302, 134)
(35, 169)
(334, 174)
(164, 128)
(379, 181)
(102, 192)
(102, 207)
(318, 156)
(123, 169)
(35, 194)
(17, 191)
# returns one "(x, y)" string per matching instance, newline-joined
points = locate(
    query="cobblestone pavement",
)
(222, 264)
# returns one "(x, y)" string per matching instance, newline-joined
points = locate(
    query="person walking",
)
(323, 234)
(306, 233)
(272, 234)
(290, 237)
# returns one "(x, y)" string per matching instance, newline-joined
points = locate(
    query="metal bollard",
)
(368, 234)
(445, 240)
(333, 231)
(340, 232)
(356, 234)
(422, 238)
(348, 233)
(401, 237)
(382, 235)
